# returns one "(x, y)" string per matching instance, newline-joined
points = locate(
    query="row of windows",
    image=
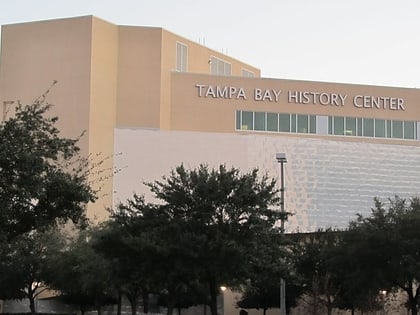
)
(217, 66)
(369, 127)
(275, 122)
(334, 125)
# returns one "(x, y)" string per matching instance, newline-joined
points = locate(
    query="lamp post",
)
(281, 158)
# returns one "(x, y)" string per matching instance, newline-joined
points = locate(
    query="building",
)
(150, 100)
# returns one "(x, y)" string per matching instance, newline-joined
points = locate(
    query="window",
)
(181, 57)
(247, 121)
(302, 124)
(284, 122)
(397, 129)
(272, 122)
(380, 128)
(409, 130)
(247, 73)
(368, 127)
(338, 125)
(220, 67)
(259, 121)
(350, 126)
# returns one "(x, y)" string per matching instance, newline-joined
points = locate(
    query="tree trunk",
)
(213, 296)
(133, 304)
(145, 297)
(170, 309)
(32, 304)
(99, 309)
(119, 303)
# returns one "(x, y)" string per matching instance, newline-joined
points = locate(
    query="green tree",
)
(388, 243)
(81, 274)
(219, 217)
(139, 240)
(314, 265)
(43, 180)
(25, 265)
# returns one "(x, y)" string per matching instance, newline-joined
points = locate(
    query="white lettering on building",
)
(300, 97)
(379, 102)
(226, 92)
(267, 95)
(306, 97)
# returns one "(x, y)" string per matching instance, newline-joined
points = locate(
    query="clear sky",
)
(373, 42)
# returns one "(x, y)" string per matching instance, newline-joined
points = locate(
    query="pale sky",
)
(374, 42)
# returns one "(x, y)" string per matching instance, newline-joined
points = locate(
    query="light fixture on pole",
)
(281, 158)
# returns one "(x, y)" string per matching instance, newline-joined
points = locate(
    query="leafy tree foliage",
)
(218, 217)
(146, 258)
(387, 246)
(42, 178)
(81, 274)
(25, 265)
(315, 268)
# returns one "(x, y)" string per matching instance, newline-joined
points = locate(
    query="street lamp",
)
(281, 158)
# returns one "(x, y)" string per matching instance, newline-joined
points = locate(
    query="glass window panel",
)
(359, 127)
(350, 126)
(228, 69)
(312, 124)
(368, 127)
(238, 119)
(380, 128)
(388, 129)
(247, 121)
(339, 125)
(213, 65)
(409, 130)
(397, 129)
(302, 123)
(284, 122)
(259, 121)
(293, 123)
(330, 125)
(272, 122)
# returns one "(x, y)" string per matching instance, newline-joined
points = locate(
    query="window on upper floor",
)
(181, 57)
(247, 73)
(220, 67)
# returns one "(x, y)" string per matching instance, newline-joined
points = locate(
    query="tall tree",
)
(220, 216)
(43, 180)
(81, 274)
(24, 265)
(387, 244)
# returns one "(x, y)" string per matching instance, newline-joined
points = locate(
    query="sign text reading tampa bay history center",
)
(300, 97)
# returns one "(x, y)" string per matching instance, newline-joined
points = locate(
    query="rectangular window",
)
(359, 127)
(368, 128)
(248, 73)
(181, 57)
(397, 129)
(350, 126)
(380, 128)
(272, 122)
(238, 120)
(293, 123)
(259, 121)
(330, 125)
(220, 67)
(247, 121)
(388, 129)
(339, 125)
(284, 122)
(302, 124)
(409, 130)
(312, 124)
